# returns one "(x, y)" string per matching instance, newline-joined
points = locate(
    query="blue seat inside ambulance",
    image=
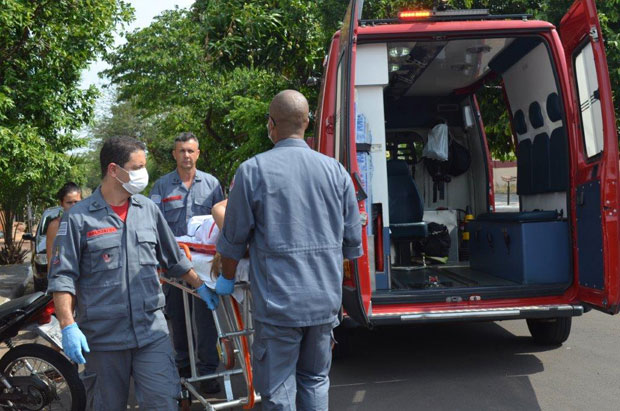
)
(524, 167)
(540, 164)
(558, 149)
(558, 162)
(406, 205)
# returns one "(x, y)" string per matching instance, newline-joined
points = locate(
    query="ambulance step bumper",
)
(488, 314)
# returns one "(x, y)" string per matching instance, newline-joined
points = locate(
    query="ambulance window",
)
(589, 100)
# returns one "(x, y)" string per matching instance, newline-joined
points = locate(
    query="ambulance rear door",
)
(594, 163)
(356, 291)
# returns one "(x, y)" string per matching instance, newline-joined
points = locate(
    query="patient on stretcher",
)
(203, 229)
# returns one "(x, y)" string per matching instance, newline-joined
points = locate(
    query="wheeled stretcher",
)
(233, 321)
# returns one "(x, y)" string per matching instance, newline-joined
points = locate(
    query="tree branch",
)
(207, 124)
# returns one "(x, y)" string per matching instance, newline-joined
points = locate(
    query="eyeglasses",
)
(267, 117)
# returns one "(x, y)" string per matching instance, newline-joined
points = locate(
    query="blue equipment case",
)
(527, 248)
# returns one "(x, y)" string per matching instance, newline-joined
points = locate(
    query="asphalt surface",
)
(480, 366)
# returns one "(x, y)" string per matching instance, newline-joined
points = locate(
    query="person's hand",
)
(208, 296)
(224, 286)
(74, 342)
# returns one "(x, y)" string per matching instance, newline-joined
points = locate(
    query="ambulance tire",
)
(550, 331)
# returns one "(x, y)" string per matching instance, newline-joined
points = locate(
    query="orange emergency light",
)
(414, 14)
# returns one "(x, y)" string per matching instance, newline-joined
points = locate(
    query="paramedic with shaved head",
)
(296, 210)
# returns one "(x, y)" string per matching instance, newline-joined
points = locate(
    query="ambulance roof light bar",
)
(437, 15)
(412, 15)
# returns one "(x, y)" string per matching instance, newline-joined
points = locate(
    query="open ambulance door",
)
(356, 290)
(594, 192)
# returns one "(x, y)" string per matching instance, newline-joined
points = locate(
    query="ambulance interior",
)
(522, 251)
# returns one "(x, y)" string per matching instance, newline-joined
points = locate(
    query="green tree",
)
(212, 70)
(44, 47)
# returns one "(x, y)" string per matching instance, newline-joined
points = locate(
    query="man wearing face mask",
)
(104, 268)
(180, 195)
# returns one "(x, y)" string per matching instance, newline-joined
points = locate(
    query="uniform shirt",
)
(111, 268)
(297, 210)
(179, 204)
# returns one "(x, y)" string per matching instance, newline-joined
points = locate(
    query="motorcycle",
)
(35, 376)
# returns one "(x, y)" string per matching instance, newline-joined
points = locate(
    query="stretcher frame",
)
(234, 326)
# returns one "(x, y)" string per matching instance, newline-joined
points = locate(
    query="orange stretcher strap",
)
(201, 248)
(246, 355)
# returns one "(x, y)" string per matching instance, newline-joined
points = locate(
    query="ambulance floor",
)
(444, 276)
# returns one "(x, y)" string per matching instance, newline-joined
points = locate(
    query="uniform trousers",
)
(291, 366)
(107, 375)
(205, 336)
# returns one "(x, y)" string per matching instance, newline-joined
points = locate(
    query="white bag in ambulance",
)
(437, 144)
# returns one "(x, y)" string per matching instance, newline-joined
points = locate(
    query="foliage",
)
(13, 253)
(213, 70)
(44, 46)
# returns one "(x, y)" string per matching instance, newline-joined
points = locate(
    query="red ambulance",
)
(391, 86)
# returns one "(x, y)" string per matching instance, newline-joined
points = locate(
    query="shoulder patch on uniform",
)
(62, 229)
(156, 198)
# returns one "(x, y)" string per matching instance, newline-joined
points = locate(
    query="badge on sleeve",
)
(56, 256)
(156, 198)
(62, 229)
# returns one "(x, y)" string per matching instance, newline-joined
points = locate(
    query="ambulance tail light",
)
(414, 14)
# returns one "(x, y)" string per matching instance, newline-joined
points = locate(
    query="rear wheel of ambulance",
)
(550, 331)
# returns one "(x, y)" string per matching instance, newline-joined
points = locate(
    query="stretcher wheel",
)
(227, 353)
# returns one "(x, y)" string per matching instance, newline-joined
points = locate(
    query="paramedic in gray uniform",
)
(297, 211)
(104, 267)
(180, 195)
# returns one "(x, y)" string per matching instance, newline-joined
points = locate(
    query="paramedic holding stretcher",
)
(180, 195)
(297, 211)
(104, 266)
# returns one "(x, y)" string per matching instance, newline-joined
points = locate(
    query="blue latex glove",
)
(224, 286)
(208, 296)
(74, 342)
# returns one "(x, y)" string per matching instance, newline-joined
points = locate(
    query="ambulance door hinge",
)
(594, 33)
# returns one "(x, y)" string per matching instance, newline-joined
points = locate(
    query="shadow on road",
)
(460, 366)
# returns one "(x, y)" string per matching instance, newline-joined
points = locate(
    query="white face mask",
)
(138, 180)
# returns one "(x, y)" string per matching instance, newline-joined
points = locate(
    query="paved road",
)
(481, 366)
